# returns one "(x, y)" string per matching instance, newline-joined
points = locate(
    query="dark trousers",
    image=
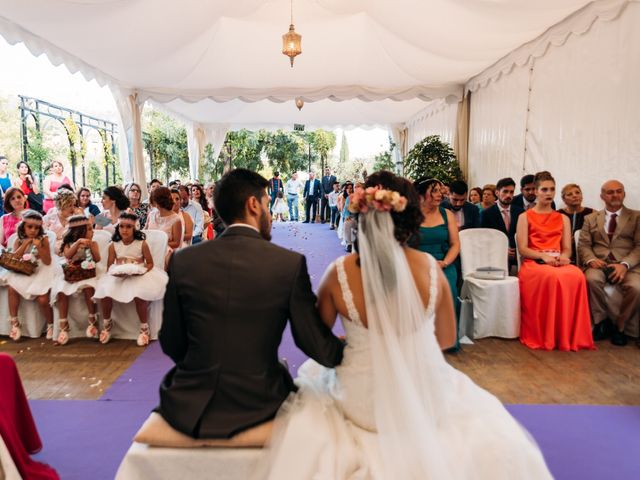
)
(335, 216)
(324, 209)
(310, 204)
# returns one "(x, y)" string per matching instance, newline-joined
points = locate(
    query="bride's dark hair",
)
(406, 223)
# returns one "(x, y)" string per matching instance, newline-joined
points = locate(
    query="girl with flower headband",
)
(78, 248)
(132, 276)
(32, 245)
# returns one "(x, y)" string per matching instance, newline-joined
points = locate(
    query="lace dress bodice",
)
(354, 374)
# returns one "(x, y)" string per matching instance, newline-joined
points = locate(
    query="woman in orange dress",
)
(553, 293)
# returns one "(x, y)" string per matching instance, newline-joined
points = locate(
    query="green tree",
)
(38, 153)
(432, 158)
(245, 148)
(285, 152)
(344, 150)
(166, 141)
(10, 130)
(212, 168)
(384, 160)
(323, 142)
(95, 177)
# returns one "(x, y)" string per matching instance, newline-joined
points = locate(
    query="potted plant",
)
(432, 158)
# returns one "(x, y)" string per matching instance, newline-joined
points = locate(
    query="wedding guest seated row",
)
(114, 202)
(466, 214)
(15, 204)
(56, 219)
(553, 293)
(163, 217)
(609, 250)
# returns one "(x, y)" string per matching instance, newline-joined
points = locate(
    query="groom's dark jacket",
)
(225, 309)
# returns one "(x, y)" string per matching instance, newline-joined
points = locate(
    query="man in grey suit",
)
(609, 249)
(225, 309)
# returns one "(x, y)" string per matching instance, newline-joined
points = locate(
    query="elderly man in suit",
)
(466, 213)
(225, 310)
(503, 215)
(609, 249)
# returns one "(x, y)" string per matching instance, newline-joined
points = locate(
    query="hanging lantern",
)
(299, 101)
(291, 41)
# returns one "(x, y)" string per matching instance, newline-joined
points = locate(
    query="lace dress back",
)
(354, 374)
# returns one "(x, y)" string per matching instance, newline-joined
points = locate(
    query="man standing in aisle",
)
(327, 187)
(275, 186)
(292, 191)
(311, 194)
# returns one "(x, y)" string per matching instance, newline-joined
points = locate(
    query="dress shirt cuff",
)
(626, 265)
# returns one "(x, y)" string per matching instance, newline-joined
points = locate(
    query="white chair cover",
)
(31, 319)
(495, 303)
(153, 463)
(614, 300)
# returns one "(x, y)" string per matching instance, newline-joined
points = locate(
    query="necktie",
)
(613, 223)
(505, 217)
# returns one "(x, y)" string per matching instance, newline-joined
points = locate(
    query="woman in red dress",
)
(553, 293)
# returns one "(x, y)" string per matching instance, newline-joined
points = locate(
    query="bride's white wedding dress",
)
(341, 424)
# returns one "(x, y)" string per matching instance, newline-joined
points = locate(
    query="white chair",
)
(126, 324)
(78, 315)
(495, 304)
(31, 320)
(614, 300)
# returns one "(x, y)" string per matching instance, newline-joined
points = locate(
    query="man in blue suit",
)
(311, 194)
(466, 214)
(504, 214)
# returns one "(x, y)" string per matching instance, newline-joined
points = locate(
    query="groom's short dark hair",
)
(234, 189)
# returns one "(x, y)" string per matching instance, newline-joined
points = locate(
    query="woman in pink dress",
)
(162, 217)
(553, 293)
(52, 182)
(15, 203)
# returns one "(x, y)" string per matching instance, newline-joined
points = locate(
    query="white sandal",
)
(49, 331)
(143, 337)
(15, 332)
(92, 329)
(105, 334)
(63, 336)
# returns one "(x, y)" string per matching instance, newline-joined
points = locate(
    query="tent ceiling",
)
(230, 49)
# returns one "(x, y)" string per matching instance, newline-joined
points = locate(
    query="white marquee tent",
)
(515, 85)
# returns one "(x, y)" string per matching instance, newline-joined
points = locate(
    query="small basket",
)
(73, 272)
(11, 262)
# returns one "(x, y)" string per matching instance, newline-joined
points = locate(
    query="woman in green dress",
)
(439, 236)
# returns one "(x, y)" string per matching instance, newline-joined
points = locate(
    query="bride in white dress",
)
(394, 409)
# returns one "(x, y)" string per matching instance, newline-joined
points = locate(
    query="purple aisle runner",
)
(88, 439)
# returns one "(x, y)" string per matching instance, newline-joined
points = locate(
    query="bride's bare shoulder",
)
(416, 258)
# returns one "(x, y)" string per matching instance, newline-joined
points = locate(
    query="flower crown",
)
(376, 198)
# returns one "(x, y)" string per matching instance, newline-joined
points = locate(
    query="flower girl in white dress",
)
(33, 245)
(131, 276)
(79, 251)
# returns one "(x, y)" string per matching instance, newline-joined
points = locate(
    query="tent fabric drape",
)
(461, 143)
(438, 118)
(131, 144)
(198, 137)
(582, 123)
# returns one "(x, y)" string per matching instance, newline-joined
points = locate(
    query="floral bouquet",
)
(76, 271)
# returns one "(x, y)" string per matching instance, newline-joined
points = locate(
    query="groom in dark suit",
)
(225, 309)
(327, 187)
(311, 195)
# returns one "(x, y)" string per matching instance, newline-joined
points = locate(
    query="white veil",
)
(411, 394)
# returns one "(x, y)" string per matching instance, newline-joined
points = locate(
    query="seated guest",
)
(162, 217)
(439, 234)
(465, 213)
(475, 195)
(227, 376)
(185, 218)
(553, 293)
(84, 202)
(128, 246)
(572, 198)
(504, 215)
(56, 219)
(488, 197)
(609, 249)
(526, 199)
(15, 203)
(136, 205)
(194, 210)
(114, 202)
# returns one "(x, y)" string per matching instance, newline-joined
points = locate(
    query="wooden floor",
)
(609, 376)
(81, 370)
